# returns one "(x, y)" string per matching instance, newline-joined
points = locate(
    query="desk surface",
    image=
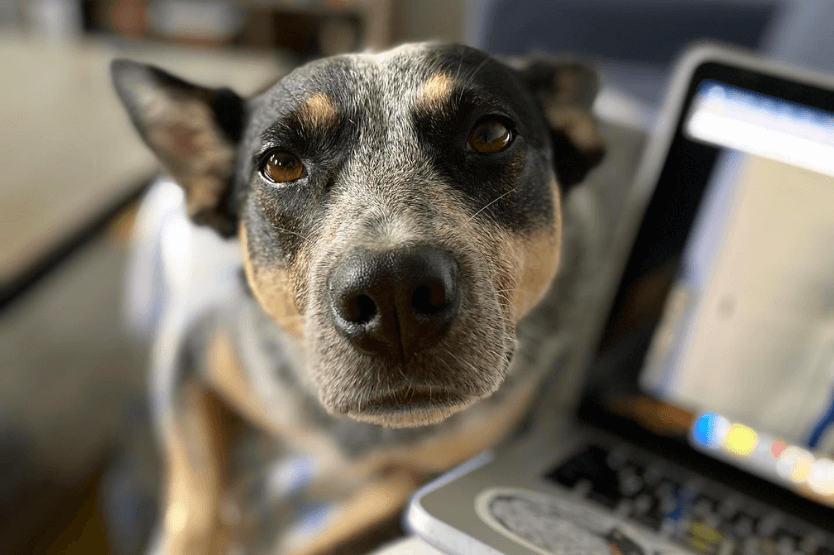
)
(67, 148)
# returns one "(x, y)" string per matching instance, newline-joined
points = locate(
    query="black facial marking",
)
(373, 125)
(294, 208)
(230, 113)
(510, 187)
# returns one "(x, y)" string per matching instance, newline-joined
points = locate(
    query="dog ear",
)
(566, 91)
(194, 132)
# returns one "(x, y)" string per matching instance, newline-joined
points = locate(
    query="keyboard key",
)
(787, 535)
(690, 489)
(811, 542)
(605, 498)
(617, 459)
(644, 504)
(590, 464)
(765, 546)
(666, 489)
(622, 544)
(652, 521)
(730, 546)
(646, 512)
(728, 507)
(653, 474)
(582, 487)
(703, 506)
(703, 537)
(743, 525)
(630, 483)
(769, 524)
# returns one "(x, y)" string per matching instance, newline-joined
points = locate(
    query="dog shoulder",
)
(196, 428)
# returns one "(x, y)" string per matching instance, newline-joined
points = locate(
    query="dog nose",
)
(394, 302)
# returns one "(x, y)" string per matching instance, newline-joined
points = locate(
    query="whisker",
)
(460, 65)
(490, 203)
(471, 77)
(466, 363)
(291, 232)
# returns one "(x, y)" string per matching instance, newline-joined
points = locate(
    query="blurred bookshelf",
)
(304, 28)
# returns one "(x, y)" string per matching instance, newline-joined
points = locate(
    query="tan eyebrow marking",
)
(436, 90)
(318, 111)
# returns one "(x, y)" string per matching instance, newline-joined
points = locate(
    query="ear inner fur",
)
(577, 124)
(192, 130)
(194, 150)
(566, 91)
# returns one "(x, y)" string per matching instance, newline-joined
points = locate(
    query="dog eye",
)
(282, 166)
(489, 136)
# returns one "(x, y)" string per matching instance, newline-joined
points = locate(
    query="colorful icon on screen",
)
(710, 430)
(794, 464)
(741, 440)
(777, 447)
(790, 462)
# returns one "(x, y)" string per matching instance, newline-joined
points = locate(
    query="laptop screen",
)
(722, 332)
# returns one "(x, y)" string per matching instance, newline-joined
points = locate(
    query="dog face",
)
(399, 212)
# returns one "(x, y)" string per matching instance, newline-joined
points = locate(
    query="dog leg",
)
(374, 506)
(196, 474)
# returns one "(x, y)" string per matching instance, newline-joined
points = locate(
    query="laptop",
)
(704, 422)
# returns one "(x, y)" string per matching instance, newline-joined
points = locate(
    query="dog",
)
(400, 220)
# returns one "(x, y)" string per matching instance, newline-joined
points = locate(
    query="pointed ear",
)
(194, 131)
(566, 91)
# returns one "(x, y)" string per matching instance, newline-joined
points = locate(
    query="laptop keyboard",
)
(684, 508)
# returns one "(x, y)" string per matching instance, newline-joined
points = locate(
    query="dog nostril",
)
(360, 310)
(430, 299)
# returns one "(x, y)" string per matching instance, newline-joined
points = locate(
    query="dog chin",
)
(406, 416)
(409, 407)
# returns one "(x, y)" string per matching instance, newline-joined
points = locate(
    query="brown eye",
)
(282, 167)
(489, 136)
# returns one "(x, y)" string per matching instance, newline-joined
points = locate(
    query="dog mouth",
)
(410, 406)
(416, 396)
(415, 402)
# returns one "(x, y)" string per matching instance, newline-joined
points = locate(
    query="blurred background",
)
(78, 470)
